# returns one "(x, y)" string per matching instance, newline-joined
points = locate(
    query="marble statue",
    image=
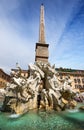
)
(41, 90)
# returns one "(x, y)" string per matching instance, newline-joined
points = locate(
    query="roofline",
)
(4, 72)
(17, 70)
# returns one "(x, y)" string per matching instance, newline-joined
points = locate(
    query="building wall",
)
(4, 78)
(24, 73)
(76, 77)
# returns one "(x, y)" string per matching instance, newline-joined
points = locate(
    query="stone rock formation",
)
(81, 108)
(41, 90)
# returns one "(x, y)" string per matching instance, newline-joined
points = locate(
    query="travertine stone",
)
(42, 26)
(41, 90)
(42, 53)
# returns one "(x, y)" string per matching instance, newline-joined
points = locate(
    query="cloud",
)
(19, 30)
(56, 22)
(69, 50)
(14, 47)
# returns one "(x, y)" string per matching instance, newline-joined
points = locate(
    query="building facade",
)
(23, 73)
(4, 78)
(76, 76)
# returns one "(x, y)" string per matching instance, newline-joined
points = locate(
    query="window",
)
(0, 82)
(76, 86)
(75, 80)
(83, 80)
(78, 80)
(83, 86)
(80, 86)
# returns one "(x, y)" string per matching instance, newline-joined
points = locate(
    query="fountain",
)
(41, 90)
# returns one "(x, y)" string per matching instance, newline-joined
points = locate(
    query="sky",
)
(19, 32)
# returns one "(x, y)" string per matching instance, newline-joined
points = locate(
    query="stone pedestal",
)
(42, 53)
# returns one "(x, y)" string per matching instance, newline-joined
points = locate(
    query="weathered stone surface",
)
(72, 104)
(42, 90)
(81, 108)
(64, 101)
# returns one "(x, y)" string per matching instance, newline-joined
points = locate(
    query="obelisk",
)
(42, 53)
